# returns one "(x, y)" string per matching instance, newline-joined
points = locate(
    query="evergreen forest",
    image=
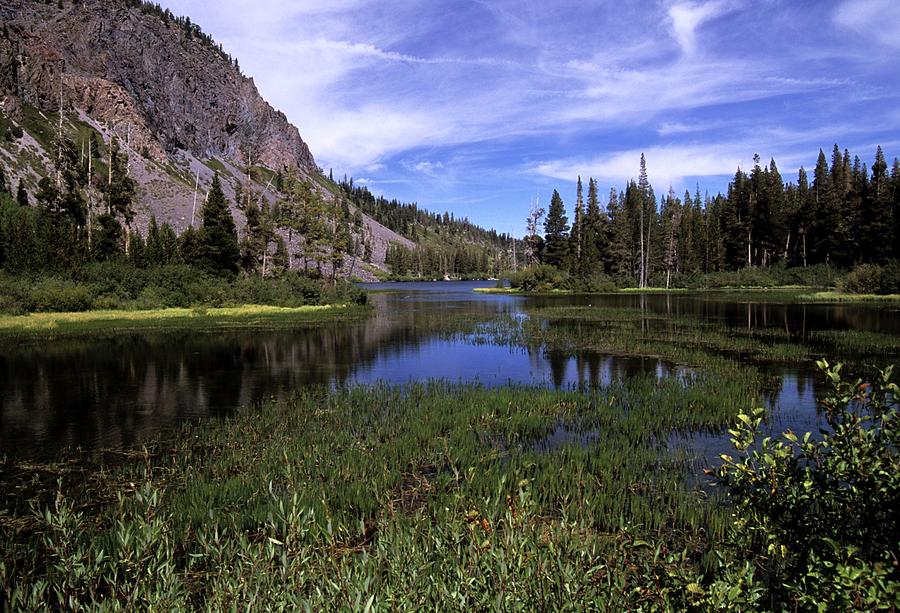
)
(844, 214)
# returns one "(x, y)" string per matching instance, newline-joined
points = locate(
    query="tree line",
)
(446, 246)
(845, 214)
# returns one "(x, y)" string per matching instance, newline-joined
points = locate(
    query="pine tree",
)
(137, 250)
(576, 238)
(120, 189)
(108, 240)
(534, 244)
(217, 240)
(169, 243)
(895, 208)
(877, 223)
(259, 232)
(556, 233)
(21, 194)
(280, 259)
(594, 236)
(821, 243)
(153, 252)
(621, 244)
(189, 247)
(688, 259)
(671, 228)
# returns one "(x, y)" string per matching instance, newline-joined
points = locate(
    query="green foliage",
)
(108, 238)
(818, 517)
(218, 248)
(21, 194)
(540, 278)
(872, 279)
(556, 234)
(118, 284)
(446, 245)
(120, 189)
(760, 223)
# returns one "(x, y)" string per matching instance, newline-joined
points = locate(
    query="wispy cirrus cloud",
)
(459, 102)
(877, 20)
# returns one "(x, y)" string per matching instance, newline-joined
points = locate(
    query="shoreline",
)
(810, 297)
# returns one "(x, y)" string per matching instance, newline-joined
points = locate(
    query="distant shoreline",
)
(811, 297)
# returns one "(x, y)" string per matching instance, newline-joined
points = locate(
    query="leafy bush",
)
(745, 277)
(595, 284)
(863, 279)
(540, 278)
(817, 275)
(818, 519)
(48, 295)
(872, 279)
(118, 285)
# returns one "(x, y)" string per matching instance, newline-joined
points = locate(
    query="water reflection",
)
(116, 391)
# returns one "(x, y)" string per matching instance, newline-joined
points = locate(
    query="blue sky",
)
(478, 107)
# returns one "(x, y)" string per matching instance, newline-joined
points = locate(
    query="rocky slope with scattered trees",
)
(84, 81)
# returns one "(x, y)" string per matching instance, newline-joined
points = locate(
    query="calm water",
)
(83, 393)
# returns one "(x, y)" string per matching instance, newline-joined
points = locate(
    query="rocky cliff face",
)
(177, 104)
(145, 75)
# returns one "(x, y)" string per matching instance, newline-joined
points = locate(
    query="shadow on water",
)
(116, 391)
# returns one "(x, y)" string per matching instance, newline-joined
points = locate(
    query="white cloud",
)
(425, 167)
(877, 20)
(668, 164)
(687, 17)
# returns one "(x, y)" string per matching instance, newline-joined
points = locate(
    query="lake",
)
(87, 393)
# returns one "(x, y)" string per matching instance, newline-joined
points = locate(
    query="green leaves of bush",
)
(818, 516)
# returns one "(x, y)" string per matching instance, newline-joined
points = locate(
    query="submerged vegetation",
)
(444, 496)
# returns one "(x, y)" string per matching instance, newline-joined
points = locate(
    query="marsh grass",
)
(38, 325)
(427, 495)
(832, 296)
(680, 339)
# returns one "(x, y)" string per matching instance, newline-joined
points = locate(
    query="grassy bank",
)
(114, 321)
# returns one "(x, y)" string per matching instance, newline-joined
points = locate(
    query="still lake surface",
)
(86, 393)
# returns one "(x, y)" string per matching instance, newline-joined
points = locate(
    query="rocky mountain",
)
(177, 103)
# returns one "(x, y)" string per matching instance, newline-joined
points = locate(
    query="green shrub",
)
(863, 279)
(817, 275)
(818, 518)
(890, 278)
(745, 277)
(58, 295)
(540, 278)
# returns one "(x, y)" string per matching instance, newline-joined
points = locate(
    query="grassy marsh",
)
(112, 321)
(428, 495)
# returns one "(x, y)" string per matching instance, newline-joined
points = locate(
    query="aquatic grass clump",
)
(39, 325)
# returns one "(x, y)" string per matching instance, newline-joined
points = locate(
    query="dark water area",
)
(86, 393)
